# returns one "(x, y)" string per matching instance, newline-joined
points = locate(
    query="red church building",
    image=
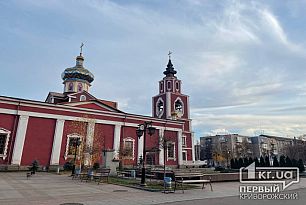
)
(44, 131)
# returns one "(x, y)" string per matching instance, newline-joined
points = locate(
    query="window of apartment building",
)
(4, 139)
(171, 151)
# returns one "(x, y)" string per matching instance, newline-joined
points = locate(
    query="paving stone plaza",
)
(47, 188)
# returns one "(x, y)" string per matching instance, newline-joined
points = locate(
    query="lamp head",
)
(139, 132)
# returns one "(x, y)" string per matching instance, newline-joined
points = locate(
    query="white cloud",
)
(237, 59)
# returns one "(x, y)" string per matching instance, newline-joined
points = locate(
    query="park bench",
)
(181, 178)
(98, 176)
(101, 175)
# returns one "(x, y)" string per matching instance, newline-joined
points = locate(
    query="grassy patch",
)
(151, 186)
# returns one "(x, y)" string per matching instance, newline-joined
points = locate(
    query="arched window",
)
(70, 87)
(159, 107)
(4, 139)
(80, 87)
(177, 85)
(128, 148)
(168, 85)
(70, 146)
(82, 98)
(161, 87)
(178, 106)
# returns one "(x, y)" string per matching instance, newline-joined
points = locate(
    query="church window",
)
(177, 85)
(82, 98)
(70, 87)
(70, 146)
(128, 148)
(159, 107)
(161, 86)
(168, 85)
(171, 150)
(4, 139)
(178, 106)
(184, 155)
(184, 141)
(80, 87)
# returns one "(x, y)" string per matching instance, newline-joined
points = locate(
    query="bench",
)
(181, 178)
(129, 173)
(101, 174)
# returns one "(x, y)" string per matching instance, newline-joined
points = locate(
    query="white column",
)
(19, 141)
(161, 152)
(179, 147)
(140, 148)
(89, 142)
(116, 146)
(192, 149)
(57, 142)
(168, 105)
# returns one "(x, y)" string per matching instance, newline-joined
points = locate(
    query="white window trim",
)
(184, 141)
(8, 133)
(82, 98)
(129, 139)
(66, 156)
(159, 114)
(177, 85)
(186, 156)
(169, 87)
(161, 86)
(174, 154)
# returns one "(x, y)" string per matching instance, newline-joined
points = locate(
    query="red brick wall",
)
(104, 138)
(125, 133)
(184, 99)
(7, 122)
(163, 96)
(172, 136)
(38, 142)
(71, 127)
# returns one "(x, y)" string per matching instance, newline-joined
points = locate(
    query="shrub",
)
(233, 164)
(267, 161)
(282, 161)
(245, 162)
(262, 162)
(256, 162)
(240, 163)
(219, 168)
(288, 162)
(301, 165)
(275, 162)
(68, 166)
(96, 166)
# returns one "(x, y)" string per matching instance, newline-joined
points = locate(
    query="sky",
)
(243, 63)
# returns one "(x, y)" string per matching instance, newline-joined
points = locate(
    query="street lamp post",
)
(142, 130)
(76, 143)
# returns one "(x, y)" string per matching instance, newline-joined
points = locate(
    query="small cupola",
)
(77, 78)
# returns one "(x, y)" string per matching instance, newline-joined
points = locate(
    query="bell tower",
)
(170, 103)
